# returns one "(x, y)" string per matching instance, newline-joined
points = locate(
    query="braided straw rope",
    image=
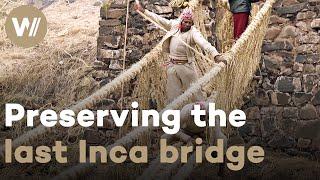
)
(236, 58)
(251, 35)
(203, 65)
(245, 58)
(75, 171)
(91, 100)
(178, 3)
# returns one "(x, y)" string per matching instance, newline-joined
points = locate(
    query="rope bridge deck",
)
(230, 82)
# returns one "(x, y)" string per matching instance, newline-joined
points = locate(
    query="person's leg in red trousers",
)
(240, 22)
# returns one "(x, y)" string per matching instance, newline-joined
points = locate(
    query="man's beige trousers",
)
(180, 77)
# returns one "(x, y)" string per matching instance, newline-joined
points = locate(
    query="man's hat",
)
(186, 14)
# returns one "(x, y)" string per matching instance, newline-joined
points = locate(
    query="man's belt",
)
(177, 61)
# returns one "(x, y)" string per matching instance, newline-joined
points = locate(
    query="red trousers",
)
(240, 22)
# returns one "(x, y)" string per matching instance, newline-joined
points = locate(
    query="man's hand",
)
(138, 7)
(220, 58)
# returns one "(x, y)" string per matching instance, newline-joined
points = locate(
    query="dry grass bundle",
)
(56, 72)
(51, 75)
(5, 7)
(233, 82)
(151, 84)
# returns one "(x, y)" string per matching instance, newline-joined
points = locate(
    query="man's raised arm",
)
(166, 23)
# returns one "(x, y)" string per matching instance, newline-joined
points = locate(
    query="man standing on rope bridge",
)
(179, 43)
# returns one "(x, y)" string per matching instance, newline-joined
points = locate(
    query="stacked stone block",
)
(142, 37)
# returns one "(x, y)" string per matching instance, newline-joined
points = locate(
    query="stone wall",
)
(142, 37)
(284, 107)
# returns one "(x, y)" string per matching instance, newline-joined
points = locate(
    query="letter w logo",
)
(25, 24)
